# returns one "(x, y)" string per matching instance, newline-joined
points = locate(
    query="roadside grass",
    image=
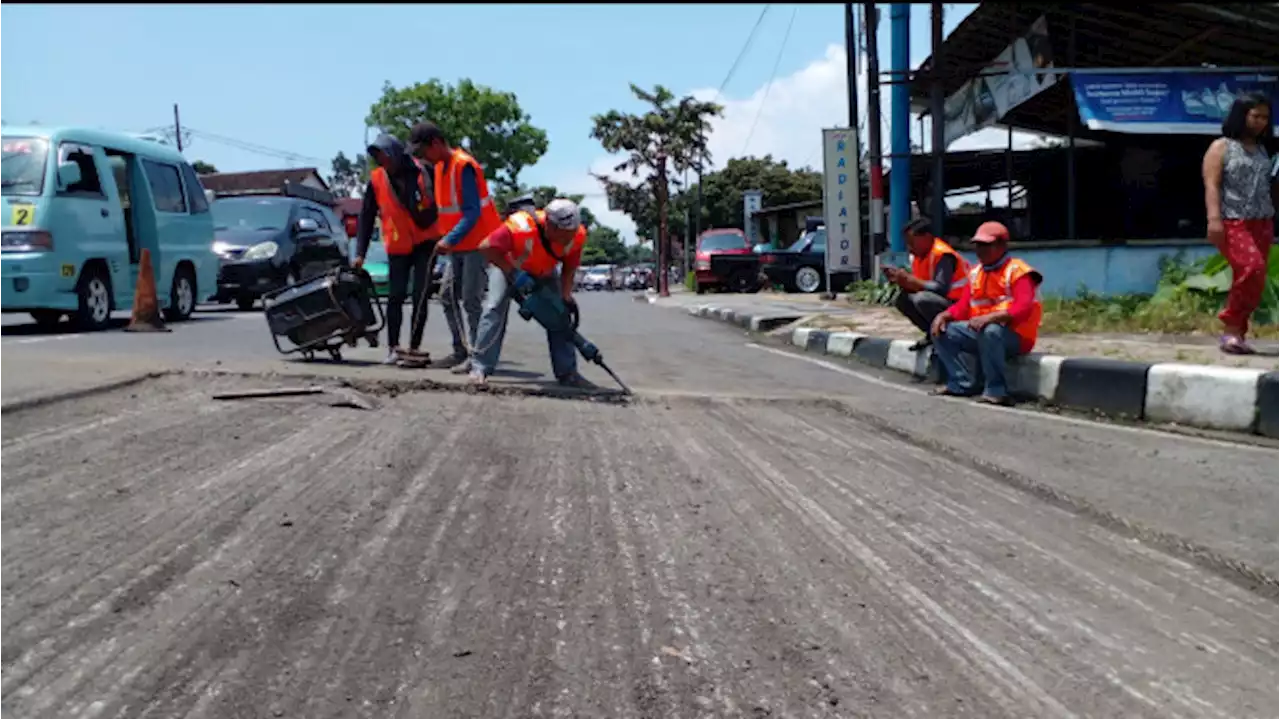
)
(1187, 301)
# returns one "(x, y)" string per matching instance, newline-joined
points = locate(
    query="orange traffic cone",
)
(146, 306)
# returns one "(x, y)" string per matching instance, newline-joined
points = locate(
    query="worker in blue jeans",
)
(997, 317)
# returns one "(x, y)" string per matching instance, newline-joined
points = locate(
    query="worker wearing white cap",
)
(530, 248)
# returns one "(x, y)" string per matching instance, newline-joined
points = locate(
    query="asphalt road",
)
(759, 533)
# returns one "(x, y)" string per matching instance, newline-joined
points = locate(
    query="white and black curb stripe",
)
(1224, 398)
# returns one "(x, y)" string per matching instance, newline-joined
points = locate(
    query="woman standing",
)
(1237, 201)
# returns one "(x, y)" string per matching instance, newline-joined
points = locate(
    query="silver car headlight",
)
(261, 251)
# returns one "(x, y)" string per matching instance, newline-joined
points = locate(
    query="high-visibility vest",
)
(448, 193)
(528, 251)
(924, 267)
(993, 292)
(400, 234)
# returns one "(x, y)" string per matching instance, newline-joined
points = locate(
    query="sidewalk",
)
(1174, 379)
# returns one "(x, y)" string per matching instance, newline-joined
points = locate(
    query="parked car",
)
(267, 242)
(597, 278)
(724, 260)
(802, 266)
(379, 269)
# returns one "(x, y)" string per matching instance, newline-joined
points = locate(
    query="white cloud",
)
(791, 115)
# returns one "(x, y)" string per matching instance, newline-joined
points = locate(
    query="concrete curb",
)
(1233, 399)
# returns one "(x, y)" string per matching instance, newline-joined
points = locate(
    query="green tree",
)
(203, 168)
(604, 246)
(542, 194)
(668, 139)
(348, 175)
(487, 123)
(722, 190)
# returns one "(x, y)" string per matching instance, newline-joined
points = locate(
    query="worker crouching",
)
(531, 250)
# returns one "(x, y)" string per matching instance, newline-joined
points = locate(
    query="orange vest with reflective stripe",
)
(527, 252)
(449, 201)
(924, 267)
(993, 292)
(400, 234)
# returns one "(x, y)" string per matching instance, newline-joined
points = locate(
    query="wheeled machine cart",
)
(325, 312)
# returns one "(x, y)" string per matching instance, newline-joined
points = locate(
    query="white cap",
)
(563, 214)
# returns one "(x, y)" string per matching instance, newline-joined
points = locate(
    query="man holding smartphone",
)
(937, 278)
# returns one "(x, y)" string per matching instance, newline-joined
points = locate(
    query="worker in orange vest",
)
(997, 316)
(399, 192)
(467, 217)
(937, 279)
(531, 248)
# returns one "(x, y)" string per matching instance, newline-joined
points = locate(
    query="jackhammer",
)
(543, 303)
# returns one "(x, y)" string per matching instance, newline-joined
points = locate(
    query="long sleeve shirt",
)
(1024, 297)
(470, 191)
(405, 186)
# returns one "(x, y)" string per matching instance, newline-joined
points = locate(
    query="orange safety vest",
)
(528, 252)
(924, 267)
(993, 292)
(449, 201)
(400, 234)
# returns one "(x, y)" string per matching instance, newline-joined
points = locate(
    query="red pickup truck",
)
(725, 260)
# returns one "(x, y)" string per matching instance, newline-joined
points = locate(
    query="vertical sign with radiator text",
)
(751, 201)
(840, 207)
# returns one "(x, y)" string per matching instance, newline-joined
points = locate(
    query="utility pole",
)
(851, 68)
(177, 127)
(937, 121)
(869, 25)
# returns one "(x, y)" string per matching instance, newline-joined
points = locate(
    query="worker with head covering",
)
(399, 192)
(467, 216)
(531, 248)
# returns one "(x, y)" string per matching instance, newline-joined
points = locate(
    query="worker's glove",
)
(524, 282)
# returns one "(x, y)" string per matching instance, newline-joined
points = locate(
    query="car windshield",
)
(800, 244)
(23, 168)
(819, 237)
(723, 241)
(376, 253)
(250, 213)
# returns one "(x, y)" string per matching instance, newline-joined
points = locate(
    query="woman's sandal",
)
(997, 401)
(1232, 345)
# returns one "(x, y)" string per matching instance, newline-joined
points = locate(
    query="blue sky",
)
(300, 78)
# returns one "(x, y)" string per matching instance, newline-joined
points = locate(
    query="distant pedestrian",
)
(1237, 175)
(937, 278)
(996, 317)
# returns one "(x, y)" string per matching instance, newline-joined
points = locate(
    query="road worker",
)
(997, 316)
(399, 192)
(467, 217)
(530, 249)
(937, 279)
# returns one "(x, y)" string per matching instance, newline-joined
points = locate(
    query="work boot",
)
(576, 381)
(453, 360)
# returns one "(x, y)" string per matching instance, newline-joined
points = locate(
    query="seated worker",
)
(399, 192)
(996, 317)
(531, 248)
(938, 277)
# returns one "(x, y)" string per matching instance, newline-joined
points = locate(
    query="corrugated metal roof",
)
(1120, 35)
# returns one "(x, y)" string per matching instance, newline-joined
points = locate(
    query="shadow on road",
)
(31, 329)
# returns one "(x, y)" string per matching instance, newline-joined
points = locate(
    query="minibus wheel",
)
(94, 293)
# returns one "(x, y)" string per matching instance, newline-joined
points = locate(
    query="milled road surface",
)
(844, 547)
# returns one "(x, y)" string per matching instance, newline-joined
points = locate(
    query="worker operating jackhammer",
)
(542, 247)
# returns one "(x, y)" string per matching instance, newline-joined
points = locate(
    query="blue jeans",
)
(993, 347)
(493, 329)
(466, 269)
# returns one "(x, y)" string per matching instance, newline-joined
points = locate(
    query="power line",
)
(742, 53)
(776, 63)
(254, 148)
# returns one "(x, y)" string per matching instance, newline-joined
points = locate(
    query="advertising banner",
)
(1005, 84)
(1166, 103)
(840, 206)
